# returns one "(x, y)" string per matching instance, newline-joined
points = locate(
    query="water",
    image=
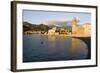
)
(38, 48)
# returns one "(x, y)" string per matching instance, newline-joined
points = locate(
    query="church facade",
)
(84, 29)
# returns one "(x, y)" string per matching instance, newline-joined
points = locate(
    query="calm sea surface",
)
(37, 47)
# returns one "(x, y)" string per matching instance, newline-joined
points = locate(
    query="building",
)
(52, 31)
(63, 31)
(87, 28)
(74, 26)
(83, 29)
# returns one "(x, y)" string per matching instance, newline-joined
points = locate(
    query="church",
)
(81, 30)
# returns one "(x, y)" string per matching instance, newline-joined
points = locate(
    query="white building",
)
(52, 31)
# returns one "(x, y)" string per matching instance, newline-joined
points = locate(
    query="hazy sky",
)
(38, 17)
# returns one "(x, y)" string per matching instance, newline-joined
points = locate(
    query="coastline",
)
(87, 40)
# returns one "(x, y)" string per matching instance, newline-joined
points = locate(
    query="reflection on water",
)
(52, 48)
(78, 46)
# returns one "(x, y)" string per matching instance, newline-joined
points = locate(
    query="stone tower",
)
(74, 25)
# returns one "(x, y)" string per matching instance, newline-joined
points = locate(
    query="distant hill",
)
(59, 23)
(40, 27)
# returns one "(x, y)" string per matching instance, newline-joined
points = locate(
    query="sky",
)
(38, 17)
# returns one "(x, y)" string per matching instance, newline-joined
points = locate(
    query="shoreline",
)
(87, 40)
(69, 35)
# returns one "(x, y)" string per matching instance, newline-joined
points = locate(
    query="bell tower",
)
(74, 25)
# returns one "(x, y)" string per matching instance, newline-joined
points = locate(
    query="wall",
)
(5, 37)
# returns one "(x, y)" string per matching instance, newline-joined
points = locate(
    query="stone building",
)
(74, 25)
(84, 29)
(87, 28)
